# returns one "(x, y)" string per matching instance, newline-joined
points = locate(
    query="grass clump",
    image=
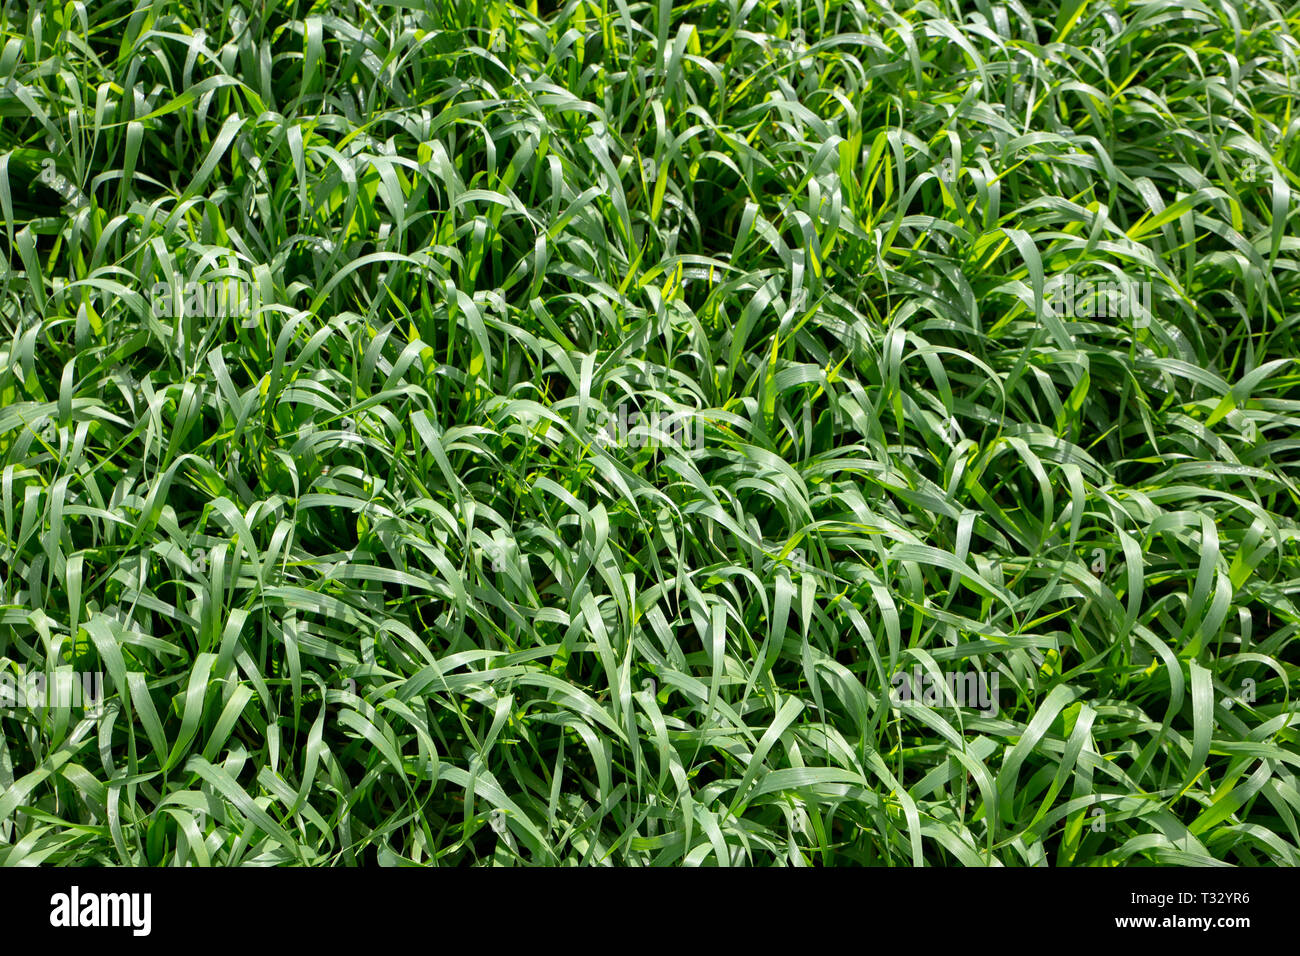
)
(649, 434)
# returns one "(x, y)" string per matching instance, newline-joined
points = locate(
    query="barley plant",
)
(649, 432)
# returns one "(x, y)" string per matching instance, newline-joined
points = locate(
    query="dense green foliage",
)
(630, 393)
